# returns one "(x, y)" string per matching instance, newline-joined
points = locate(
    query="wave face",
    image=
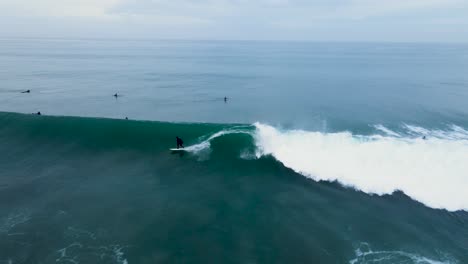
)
(433, 170)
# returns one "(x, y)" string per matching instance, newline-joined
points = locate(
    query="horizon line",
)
(227, 40)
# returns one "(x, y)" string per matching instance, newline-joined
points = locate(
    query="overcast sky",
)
(317, 20)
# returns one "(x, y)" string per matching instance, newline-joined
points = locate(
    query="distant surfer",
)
(116, 95)
(424, 138)
(38, 113)
(225, 99)
(180, 142)
(27, 91)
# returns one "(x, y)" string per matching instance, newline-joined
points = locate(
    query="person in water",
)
(225, 99)
(27, 91)
(180, 143)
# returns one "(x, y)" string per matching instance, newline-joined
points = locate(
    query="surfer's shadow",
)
(178, 153)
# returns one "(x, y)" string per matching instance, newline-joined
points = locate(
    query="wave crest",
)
(432, 171)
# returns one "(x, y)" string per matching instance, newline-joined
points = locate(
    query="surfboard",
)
(177, 149)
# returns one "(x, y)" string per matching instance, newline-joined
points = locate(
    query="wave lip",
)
(205, 144)
(432, 171)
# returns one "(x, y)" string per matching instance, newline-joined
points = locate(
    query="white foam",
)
(76, 251)
(16, 218)
(387, 131)
(205, 144)
(119, 255)
(364, 254)
(63, 257)
(432, 171)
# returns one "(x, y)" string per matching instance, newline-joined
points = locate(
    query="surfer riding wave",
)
(180, 142)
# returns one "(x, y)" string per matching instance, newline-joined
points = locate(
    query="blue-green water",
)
(295, 84)
(318, 155)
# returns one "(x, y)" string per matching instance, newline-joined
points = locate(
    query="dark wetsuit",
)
(180, 143)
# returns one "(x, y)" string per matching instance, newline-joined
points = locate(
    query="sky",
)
(301, 20)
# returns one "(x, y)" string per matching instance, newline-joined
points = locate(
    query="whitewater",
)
(430, 166)
(433, 171)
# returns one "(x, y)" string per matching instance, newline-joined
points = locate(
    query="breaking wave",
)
(432, 170)
(430, 166)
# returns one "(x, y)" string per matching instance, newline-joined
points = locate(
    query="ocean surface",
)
(322, 153)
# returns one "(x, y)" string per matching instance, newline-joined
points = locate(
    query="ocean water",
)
(323, 152)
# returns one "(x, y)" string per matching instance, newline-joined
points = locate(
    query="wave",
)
(433, 171)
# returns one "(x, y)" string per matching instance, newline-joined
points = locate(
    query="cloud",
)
(232, 18)
(57, 8)
(370, 8)
(208, 9)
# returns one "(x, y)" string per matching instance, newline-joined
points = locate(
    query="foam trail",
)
(387, 131)
(205, 144)
(364, 254)
(433, 171)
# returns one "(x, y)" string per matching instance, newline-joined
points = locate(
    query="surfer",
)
(38, 113)
(225, 99)
(180, 143)
(116, 95)
(27, 91)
